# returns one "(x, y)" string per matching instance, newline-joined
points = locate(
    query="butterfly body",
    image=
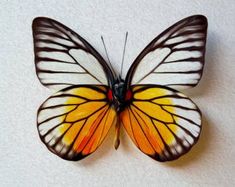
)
(162, 122)
(119, 92)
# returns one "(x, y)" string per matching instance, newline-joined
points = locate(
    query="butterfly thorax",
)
(119, 95)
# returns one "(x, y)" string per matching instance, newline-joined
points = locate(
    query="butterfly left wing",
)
(73, 122)
(163, 123)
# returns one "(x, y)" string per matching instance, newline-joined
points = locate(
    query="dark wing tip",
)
(38, 20)
(200, 17)
(41, 18)
(197, 16)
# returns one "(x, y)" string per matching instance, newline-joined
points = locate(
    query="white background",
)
(25, 161)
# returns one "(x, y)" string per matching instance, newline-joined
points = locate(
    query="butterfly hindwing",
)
(74, 122)
(175, 58)
(163, 123)
(63, 58)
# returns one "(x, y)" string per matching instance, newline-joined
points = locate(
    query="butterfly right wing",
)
(162, 122)
(63, 58)
(73, 122)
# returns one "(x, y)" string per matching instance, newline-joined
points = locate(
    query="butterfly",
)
(89, 97)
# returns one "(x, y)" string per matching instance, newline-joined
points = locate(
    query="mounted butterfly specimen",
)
(161, 121)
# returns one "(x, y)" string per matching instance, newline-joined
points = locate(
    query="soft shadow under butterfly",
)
(162, 122)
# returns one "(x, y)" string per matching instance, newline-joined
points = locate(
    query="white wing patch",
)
(87, 61)
(168, 79)
(149, 63)
(175, 58)
(180, 67)
(56, 66)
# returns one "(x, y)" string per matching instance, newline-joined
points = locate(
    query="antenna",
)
(107, 55)
(123, 54)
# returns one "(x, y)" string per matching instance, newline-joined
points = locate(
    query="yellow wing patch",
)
(162, 122)
(74, 122)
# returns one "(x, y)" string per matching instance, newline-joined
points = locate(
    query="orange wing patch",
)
(74, 122)
(163, 123)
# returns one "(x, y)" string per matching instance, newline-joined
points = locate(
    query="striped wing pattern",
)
(163, 123)
(74, 122)
(63, 58)
(175, 58)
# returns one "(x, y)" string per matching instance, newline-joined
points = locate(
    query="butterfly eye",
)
(110, 95)
(128, 95)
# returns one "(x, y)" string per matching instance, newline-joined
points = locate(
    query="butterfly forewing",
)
(175, 58)
(63, 58)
